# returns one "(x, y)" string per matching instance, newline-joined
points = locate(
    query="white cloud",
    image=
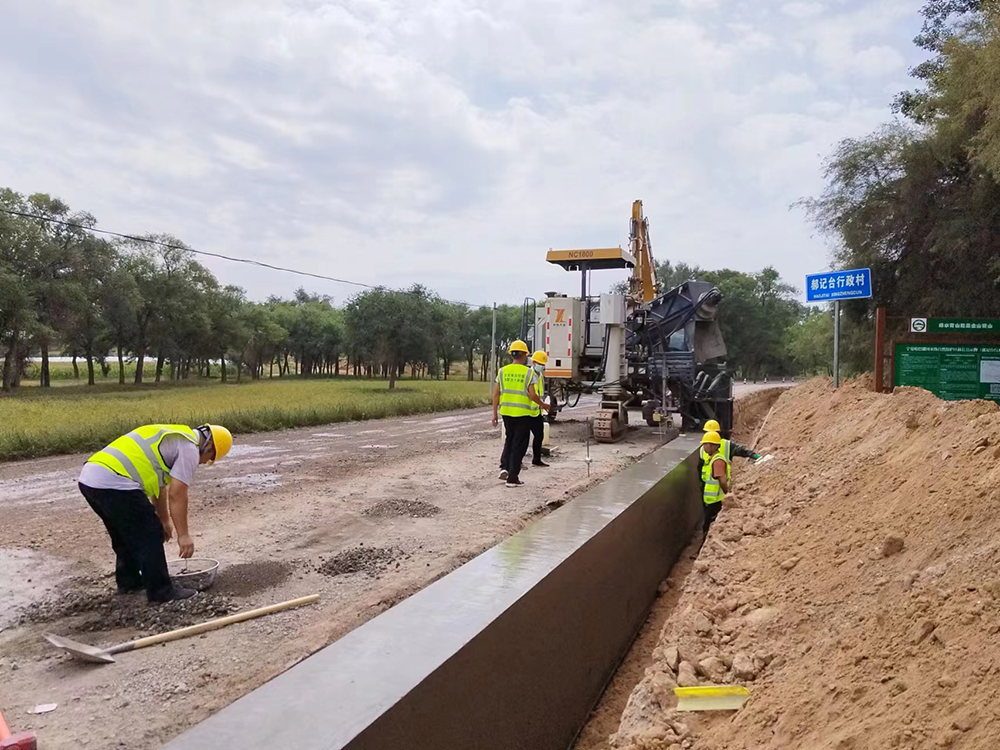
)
(802, 10)
(393, 142)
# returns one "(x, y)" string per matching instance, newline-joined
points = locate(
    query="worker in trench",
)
(138, 485)
(513, 400)
(715, 473)
(729, 448)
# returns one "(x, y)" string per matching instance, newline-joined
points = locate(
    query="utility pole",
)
(836, 344)
(491, 376)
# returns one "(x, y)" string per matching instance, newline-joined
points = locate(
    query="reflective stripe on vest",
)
(137, 456)
(514, 401)
(713, 487)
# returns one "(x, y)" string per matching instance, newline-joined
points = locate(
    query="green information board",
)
(950, 371)
(962, 325)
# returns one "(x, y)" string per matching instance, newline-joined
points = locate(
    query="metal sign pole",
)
(836, 344)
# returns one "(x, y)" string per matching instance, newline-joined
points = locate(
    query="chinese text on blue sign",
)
(834, 285)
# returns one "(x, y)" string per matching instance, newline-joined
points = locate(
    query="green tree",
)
(809, 343)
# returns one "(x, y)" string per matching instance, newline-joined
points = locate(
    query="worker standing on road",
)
(513, 399)
(715, 473)
(152, 463)
(537, 380)
(728, 447)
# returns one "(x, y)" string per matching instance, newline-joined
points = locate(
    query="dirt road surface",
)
(364, 514)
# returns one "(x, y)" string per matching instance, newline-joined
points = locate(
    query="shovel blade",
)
(711, 698)
(80, 651)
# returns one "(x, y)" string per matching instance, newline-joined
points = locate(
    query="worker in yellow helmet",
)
(513, 400)
(729, 448)
(539, 360)
(152, 463)
(715, 474)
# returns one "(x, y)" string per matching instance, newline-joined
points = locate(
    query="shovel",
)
(105, 655)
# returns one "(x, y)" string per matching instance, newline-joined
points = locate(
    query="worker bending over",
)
(513, 398)
(155, 462)
(728, 448)
(715, 473)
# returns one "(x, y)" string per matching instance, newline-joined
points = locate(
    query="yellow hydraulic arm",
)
(642, 285)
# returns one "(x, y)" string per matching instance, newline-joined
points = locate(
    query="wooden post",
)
(880, 350)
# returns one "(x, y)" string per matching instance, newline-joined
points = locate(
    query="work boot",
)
(503, 474)
(176, 594)
(515, 483)
(125, 591)
(539, 463)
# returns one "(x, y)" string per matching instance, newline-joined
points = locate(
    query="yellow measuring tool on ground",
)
(711, 698)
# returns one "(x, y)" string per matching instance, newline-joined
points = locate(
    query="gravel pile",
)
(397, 508)
(249, 578)
(100, 610)
(361, 559)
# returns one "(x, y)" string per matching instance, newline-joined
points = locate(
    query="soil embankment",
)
(852, 584)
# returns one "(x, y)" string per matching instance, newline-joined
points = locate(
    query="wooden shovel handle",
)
(204, 627)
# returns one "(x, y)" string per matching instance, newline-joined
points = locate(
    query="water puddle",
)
(26, 577)
(39, 489)
(253, 481)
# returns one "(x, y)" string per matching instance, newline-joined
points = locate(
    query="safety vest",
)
(539, 384)
(514, 401)
(726, 449)
(713, 488)
(137, 455)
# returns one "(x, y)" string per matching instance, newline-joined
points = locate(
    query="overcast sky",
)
(447, 142)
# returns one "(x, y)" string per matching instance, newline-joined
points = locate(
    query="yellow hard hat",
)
(712, 426)
(222, 439)
(518, 346)
(540, 357)
(711, 438)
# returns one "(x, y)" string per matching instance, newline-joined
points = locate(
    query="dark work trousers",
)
(137, 539)
(515, 445)
(537, 434)
(711, 513)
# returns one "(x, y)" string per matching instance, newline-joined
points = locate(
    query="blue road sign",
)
(834, 285)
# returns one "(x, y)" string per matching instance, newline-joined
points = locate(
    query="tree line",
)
(146, 308)
(918, 201)
(146, 304)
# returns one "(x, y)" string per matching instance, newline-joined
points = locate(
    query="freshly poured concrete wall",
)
(509, 652)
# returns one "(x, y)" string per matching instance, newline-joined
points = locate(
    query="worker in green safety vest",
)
(729, 448)
(715, 473)
(154, 463)
(513, 400)
(539, 360)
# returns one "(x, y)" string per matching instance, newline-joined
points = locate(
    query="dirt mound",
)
(361, 559)
(853, 584)
(249, 578)
(752, 410)
(397, 508)
(99, 610)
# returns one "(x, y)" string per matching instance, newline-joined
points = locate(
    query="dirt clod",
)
(892, 545)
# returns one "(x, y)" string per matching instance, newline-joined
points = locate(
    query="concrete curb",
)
(512, 650)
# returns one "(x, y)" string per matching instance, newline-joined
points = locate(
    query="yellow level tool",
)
(711, 698)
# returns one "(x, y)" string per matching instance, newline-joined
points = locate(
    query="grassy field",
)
(77, 418)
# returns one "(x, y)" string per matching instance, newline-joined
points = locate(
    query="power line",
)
(230, 258)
